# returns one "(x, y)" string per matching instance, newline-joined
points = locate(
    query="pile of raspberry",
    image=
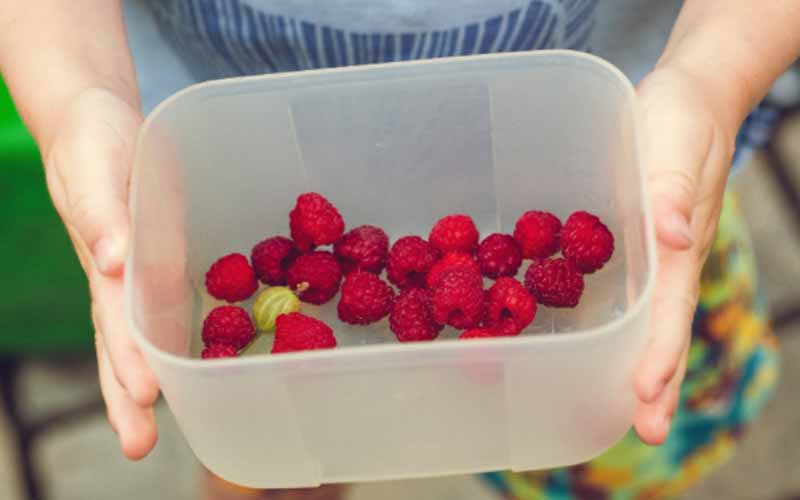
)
(452, 278)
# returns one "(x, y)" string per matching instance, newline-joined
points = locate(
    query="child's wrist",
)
(51, 52)
(47, 118)
(720, 90)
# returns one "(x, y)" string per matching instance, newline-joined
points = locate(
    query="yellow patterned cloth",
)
(732, 372)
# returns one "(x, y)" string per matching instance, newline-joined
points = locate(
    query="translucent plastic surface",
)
(219, 166)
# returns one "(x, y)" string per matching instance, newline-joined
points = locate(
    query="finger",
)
(653, 420)
(673, 310)
(88, 173)
(130, 369)
(134, 425)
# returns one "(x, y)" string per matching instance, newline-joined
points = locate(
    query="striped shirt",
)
(240, 37)
(223, 38)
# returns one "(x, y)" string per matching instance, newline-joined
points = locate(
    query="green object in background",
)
(44, 297)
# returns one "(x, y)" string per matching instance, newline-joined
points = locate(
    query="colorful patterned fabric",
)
(732, 372)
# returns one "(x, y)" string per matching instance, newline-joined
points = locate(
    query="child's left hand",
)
(687, 155)
(721, 59)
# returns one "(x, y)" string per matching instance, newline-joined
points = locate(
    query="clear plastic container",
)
(217, 169)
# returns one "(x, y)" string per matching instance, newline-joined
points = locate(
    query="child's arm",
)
(721, 59)
(69, 69)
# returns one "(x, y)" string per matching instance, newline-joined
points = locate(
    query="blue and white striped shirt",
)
(223, 38)
(238, 37)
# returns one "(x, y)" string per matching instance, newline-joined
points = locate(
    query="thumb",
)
(88, 169)
(676, 144)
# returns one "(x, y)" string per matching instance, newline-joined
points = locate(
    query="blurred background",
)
(54, 439)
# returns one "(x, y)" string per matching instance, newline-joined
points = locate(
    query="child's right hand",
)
(69, 70)
(88, 166)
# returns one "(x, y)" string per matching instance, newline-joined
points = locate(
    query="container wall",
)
(218, 169)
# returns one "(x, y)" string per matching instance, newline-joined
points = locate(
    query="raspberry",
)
(316, 276)
(410, 259)
(509, 307)
(298, 332)
(499, 255)
(411, 318)
(478, 333)
(229, 325)
(555, 282)
(458, 299)
(504, 329)
(365, 299)
(271, 258)
(455, 233)
(364, 248)
(219, 351)
(537, 234)
(314, 221)
(451, 261)
(231, 278)
(587, 242)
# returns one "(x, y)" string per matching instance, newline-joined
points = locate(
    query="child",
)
(70, 71)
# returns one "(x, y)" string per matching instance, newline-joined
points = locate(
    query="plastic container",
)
(219, 166)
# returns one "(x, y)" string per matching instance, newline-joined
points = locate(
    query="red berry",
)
(271, 259)
(455, 233)
(411, 318)
(298, 332)
(478, 333)
(451, 261)
(363, 248)
(506, 329)
(228, 325)
(587, 242)
(555, 282)
(316, 276)
(410, 259)
(458, 299)
(314, 221)
(219, 351)
(365, 299)
(231, 278)
(537, 234)
(510, 308)
(499, 255)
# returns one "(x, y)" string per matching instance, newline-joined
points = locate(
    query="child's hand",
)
(687, 155)
(88, 167)
(721, 59)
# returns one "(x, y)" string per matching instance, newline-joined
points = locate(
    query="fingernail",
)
(679, 226)
(105, 254)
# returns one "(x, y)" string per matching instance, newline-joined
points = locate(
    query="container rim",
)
(442, 346)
